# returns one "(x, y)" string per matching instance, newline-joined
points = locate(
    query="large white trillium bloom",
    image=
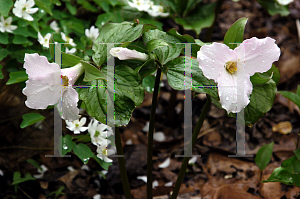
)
(125, 53)
(231, 69)
(23, 9)
(47, 84)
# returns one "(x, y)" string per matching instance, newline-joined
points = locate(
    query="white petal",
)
(159, 136)
(144, 178)
(32, 10)
(193, 160)
(82, 121)
(258, 54)
(284, 2)
(106, 159)
(155, 184)
(212, 59)
(165, 164)
(168, 184)
(28, 17)
(87, 32)
(63, 36)
(17, 12)
(68, 106)
(1, 173)
(97, 196)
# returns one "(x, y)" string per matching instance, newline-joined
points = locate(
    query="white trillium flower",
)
(92, 33)
(231, 69)
(125, 53)
(99, 133)
(67, 39)
(5, 25)
(44, 40)
(47, 84)
(54, 26)
(23, 9)
(284, 2)
(157, 10)
(71, 51)
(77, 126)
(103, 152)
(141, 5)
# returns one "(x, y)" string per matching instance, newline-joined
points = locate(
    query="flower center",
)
(97, 133)
(231, 66)
(77, 125)
(104, 151)
(65, 80)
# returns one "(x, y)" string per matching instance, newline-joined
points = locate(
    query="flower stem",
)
(150, 135)
(122, 167)
(190, 146)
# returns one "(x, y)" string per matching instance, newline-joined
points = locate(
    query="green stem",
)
(150, 135)
(190, 146)
(122, 167)
(211, 29)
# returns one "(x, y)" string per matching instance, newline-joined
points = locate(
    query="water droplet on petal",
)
(65, 146)
(226, 98)
(263, 60)
(271, 49)
(213, 60)
(206, 60)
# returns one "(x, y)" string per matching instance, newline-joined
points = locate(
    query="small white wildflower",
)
(103, 152)
(44, 40)
(5, 25)
(77, 126)
(71, 51)
(141, 5)
(99, 132)
(67, 39)
(92, 33)
(23, 9)
(54, 26)
(44, 169)
(157, 10)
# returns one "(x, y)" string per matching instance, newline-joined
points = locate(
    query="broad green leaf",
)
(91, 72)
(264, 155)
(102, 19)
(1, 74)
(164, 53)
(66, 144)
(31, 118)
(102, 163)
(275, 74)
(25, 32)
(5, 6)
(3, 38)
(3, 53)
(20, 39)
(83, 138)
(34, 163)
(87, 5)
(201, 17)
(298, 90)
(57, 2)
(149, 67)
(289, 171)
(175, 74)
(71, 8)
(153, 22)
(235, 34)
(291, 96)
(17, 178)
(45, 5)
(261, 78)
(148, 83)
(156, 43)
(261, 101)
(191, 4)
(274, 7)
(185, 39)
(128, 94)
(116, 33)
(66, 59)
(16, 77)
(83, 152)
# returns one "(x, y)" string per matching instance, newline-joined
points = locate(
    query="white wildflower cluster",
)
(99, 134)
(148, 6)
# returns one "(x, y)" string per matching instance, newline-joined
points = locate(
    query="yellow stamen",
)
(231, 66)
(65, 80)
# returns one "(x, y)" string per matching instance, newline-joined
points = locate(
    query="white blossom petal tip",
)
(231, 69)
(125, 54)
(165, 164)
